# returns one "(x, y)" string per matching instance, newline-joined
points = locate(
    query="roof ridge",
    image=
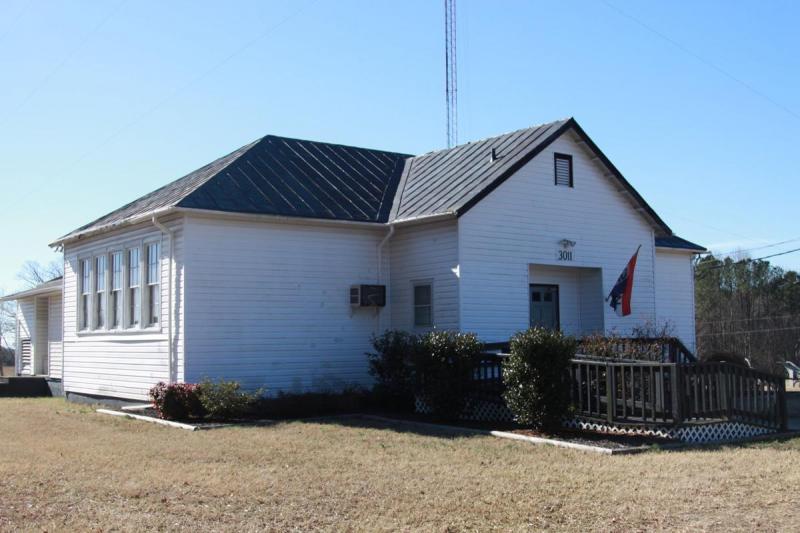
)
(340, 145)
(536, 126)
(242, 150)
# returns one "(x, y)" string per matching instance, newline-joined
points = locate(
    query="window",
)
(134, 290)
(563, 170)
(85, 292)
(100, 292)
(153, 283)
(116, 290)
(423, 305)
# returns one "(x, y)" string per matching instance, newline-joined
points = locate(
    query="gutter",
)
(170, 330)
(388, 273)
(424, 218)
(144, 217)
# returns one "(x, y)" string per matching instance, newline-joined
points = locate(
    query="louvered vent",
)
(26, 361)
(563, 166)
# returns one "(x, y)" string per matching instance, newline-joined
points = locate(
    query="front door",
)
(544, 306)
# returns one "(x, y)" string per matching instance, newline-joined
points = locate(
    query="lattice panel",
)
(694, 433)
(489, 411)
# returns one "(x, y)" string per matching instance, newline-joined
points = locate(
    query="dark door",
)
(544, 306)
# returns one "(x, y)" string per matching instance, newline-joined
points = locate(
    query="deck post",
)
(677, 393)
(782, 413)
(611, 393)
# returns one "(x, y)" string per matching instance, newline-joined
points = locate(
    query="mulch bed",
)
(590, 438)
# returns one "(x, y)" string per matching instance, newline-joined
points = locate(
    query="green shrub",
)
(176, 401)
(391, 366)
(223, 400)
(536, 377)
(442, 368)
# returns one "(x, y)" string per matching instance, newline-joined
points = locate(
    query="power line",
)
(777, 317)
(703, 60)
(13, 23)
(715, 267)
(756, 248)
(60, 65)
(179, 90)
(742, 332)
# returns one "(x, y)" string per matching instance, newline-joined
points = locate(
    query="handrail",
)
(656, 393)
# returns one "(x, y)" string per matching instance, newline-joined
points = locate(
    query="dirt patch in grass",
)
(64, 467)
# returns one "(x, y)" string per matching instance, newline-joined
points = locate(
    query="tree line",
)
(747, 308)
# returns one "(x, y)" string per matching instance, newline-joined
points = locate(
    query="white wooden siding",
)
(125, 364)
(579, 293)
(425, 253)
(521, 223)
(675, 294)
(41, 343)
(267, 304)
(54, 320)
(25, 330)
(591, 297)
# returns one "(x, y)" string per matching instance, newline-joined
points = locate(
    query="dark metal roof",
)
(673, 241)
(292, 177)
(454, 180)
(447, 180)
(281, 176)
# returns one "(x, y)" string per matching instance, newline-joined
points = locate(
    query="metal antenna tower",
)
(451, 74)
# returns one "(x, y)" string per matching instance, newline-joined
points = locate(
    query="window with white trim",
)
(153, 283)
(115, 296)
(423, 305)
(85, 292)
(134, 288)
(100, 292)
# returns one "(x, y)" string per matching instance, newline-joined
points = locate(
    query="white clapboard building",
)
(275, 265)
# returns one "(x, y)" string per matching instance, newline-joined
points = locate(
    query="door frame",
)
(557, 302)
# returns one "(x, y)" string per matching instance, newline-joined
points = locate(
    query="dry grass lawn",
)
(64, 467)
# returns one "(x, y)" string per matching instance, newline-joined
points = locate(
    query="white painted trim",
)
(150, 419)
(72, 237)
(170, 329)
(251, 217)
(567, 444)
(421, 283)
(423, 219)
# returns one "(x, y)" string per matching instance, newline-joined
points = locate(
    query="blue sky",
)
(696, 102)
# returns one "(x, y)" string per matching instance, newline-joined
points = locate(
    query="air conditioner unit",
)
(368, 295)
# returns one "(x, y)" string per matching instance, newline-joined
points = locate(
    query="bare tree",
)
(8, 330)
(34, 273)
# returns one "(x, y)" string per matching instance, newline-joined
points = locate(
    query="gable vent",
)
(563, 170)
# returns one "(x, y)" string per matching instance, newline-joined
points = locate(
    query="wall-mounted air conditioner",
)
(368, 295)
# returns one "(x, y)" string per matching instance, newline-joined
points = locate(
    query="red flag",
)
(620, 296)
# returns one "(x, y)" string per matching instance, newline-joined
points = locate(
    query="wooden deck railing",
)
(670, 393)
(657, 349)
(654, 393)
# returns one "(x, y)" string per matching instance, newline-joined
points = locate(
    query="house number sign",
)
(565, 251)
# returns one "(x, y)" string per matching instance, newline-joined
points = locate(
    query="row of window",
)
(112, 289)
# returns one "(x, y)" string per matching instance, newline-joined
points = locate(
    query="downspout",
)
(388, 273)
(170, 330)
